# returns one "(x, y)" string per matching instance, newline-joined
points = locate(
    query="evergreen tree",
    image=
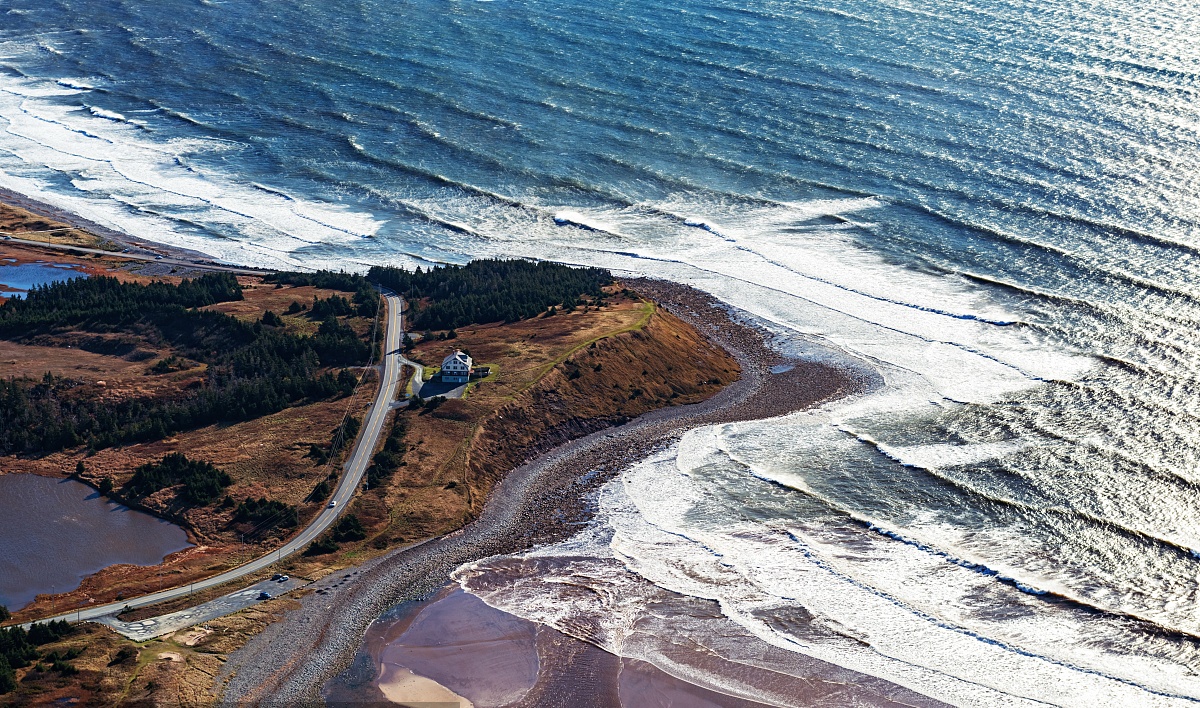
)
(449, 297)
(252, 369)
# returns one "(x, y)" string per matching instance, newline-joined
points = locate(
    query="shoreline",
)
(543, 501)
(456, 643)
(49, 211)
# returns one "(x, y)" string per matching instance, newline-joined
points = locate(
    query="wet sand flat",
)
(455, 650)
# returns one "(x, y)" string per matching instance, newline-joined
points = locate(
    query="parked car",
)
(284, 578)
(264, 595)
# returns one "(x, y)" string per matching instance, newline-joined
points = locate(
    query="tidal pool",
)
(56, 532)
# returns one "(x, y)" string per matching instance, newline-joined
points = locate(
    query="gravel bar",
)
(543, 501)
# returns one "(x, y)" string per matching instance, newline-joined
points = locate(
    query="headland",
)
(601, 377)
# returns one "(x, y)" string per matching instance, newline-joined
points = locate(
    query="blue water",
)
(995, 205)
(55, 532)
(24, 276)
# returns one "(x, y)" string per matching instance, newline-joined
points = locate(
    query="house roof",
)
(458, 357)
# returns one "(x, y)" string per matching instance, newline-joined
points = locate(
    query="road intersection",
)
(351, 480)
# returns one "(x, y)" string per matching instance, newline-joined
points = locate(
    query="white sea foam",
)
(947, 455)
(78, 84)
(570, 217)
(104, 113)
(128, 181)
(897, 601)
(937, 341)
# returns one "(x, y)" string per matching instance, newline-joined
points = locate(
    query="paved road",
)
(151, 257)
(151, 627)
(418, 379)
(429, 389)
(351, 479)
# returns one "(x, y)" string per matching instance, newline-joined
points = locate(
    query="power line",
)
(270, 521)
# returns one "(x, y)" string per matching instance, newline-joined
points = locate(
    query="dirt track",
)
(540, 502)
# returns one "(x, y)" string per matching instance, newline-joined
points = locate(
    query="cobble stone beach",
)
(542, 501)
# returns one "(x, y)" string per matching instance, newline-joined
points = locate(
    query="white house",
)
(456, 368)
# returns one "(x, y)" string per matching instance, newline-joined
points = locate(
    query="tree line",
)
(365, 296)
(488, 290)
(253, 369)
(19, 648)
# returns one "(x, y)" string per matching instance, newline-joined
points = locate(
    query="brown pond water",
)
(55, 532)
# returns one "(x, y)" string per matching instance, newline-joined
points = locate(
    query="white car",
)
(333, 503)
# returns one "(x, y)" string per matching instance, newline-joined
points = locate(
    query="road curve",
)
(352, 476)
(418, 377)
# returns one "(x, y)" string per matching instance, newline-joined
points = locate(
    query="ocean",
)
(993, 205)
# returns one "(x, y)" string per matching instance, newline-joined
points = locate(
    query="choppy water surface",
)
(994, 204)
(55, 532)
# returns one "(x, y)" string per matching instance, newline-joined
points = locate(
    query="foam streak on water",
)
(993, 205)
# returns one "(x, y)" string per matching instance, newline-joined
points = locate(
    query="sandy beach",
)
(455, 649)
(543, 501)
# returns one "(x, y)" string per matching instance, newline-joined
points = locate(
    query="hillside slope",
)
(664, 363)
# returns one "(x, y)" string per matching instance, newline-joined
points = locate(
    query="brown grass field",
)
(22, 223)
(553, 378)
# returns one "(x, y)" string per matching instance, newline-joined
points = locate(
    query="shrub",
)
(349, 528)
(320, 492)
(322, 546)
(266, 514)
(202, 481)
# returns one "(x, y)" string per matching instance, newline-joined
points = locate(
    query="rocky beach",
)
(543, 501)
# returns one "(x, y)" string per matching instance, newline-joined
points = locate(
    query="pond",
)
(17, 277)
(56, 532)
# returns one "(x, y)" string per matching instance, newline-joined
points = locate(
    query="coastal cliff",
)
(615, 379)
